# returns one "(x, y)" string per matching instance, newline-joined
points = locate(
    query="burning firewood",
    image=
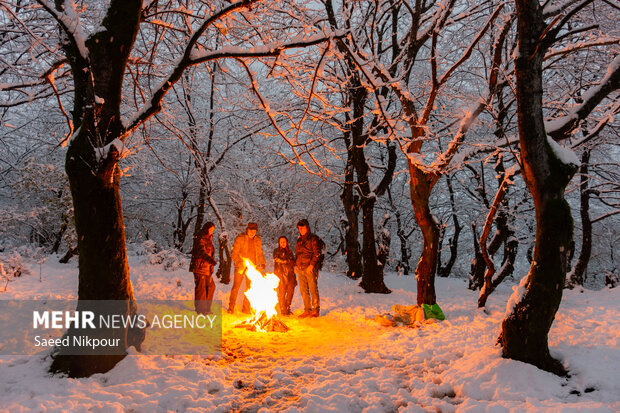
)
(264, 325)
(263, 298)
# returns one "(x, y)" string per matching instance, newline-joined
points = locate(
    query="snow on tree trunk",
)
(525, 329)
(92, 167)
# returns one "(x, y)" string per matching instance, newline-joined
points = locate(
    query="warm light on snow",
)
(342, 361)
(263, 294)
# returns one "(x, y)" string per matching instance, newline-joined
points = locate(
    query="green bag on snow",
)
(433, 311)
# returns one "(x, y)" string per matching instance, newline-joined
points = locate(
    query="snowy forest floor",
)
(343, 361)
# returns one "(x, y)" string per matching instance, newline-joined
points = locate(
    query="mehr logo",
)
(79, 319)
(87, 319)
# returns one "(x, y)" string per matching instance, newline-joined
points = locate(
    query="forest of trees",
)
(431, 138)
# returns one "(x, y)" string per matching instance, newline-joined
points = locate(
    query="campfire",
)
(263, 298)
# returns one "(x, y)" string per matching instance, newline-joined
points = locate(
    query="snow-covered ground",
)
(343, 361)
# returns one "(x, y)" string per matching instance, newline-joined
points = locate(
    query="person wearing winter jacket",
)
(202, 265)
(283, 263)
(308, 252)
(247, 245)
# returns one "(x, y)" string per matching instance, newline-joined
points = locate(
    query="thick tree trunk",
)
(352, 245)
(356, 96)
(94, 175)
(525, 329)
(420, 187)
(372, 279)
(103, 267)
(356, 138)
(372, 275)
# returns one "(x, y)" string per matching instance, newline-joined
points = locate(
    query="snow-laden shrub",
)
(148, 247)
(170, 259)
(12, 266)
(42, 211)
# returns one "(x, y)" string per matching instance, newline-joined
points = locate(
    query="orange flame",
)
(263, 295)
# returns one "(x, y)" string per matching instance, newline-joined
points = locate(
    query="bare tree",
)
(547, 169)
(98, 70)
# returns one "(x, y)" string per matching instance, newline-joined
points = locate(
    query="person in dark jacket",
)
(202, 265)
(308, 252)
(283, 264)
(247, 245)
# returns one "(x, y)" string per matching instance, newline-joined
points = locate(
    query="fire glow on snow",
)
(343, 361)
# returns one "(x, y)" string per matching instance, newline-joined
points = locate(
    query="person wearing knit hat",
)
(249, 246)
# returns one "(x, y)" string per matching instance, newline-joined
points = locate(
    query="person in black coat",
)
(308, 254)
(202, 264)
(283, 263)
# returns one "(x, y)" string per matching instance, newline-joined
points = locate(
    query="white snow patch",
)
(340, 362)
(518, 291)
(102, 153)
(565, 155)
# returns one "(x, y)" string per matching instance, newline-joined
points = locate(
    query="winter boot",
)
(306, 313)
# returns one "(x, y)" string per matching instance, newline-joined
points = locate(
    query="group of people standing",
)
(248, 245)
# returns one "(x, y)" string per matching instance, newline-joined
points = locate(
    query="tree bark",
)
(356, 94)
(525, 329)
(420, 187)
(351, 206)
(94, 179)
